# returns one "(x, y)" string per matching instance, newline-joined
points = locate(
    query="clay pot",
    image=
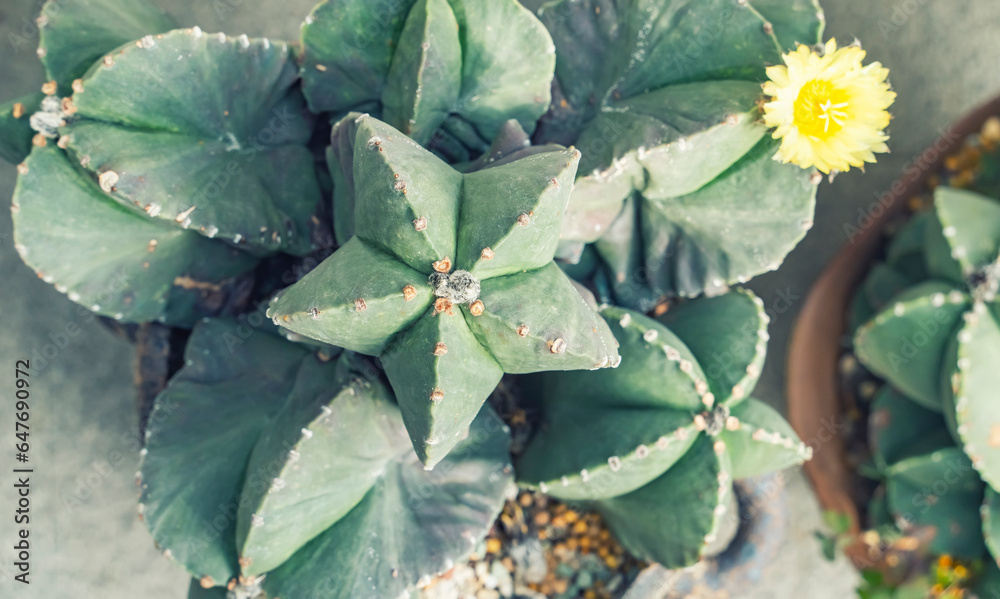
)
(816, 400)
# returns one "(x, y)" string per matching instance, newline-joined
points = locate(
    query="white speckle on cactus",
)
(719, 447)
(119, 316)
(681, 433)
(949, 231)
(221, 37)
(244, 41)
(307, 434)
(95, 308)
(437, 395)
(109, 61)
(585, 475)
(699, 422)
(672, 354)
(256, 520)
(146, 42)
(650, 335)
(293, 456)
(74, 296)
(753, 370)
(48, 278)
(310, 20)
(60, 288)
(195, 31)
(524, 220)
(21, 250)
(958, 253)
(108, 180)
(544, 488)
(180, 218)
(641, 452)
(564, 481)
(41, 51)
(615, 463)
(167, 554)
(708, 399)
(682, 144)
(719, 510)
(374, 142)
(686, 366)
(733, 423)
(557, 346)
(420, 223)
(965, 337)
(237, 238)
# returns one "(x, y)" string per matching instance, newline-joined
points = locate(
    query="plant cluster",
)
(426, 196)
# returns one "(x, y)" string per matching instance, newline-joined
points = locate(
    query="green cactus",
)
(267, 467)
(448, 73)
(225, 160)
(231, 133)
(656, 443)
(143, 270)
(938, 339)
(676, 185)
(449, 283)
(73, 35)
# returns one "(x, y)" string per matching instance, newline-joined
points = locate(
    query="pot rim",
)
(815, 399)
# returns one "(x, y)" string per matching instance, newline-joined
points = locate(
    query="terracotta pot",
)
(816, 401)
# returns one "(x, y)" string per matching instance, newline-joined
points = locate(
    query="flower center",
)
(820, 109)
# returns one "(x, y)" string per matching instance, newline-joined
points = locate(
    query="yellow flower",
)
(828, 110)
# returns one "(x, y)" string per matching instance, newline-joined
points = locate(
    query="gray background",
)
(86, 541)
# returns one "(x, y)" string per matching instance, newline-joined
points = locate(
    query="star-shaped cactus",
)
(657, 443)
(449, 279)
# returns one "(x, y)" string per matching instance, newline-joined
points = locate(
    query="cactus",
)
(928, 481)
(656, 443)
(73, 35)
(266, 467)
(676, 185)
(143, 270)
(158, 163)
(449, 283)
(191, 156)
(938, 339)
(448, 73)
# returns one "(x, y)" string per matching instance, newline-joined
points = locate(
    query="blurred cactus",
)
(656, 443)
(938, 339)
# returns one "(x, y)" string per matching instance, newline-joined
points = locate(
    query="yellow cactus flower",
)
(827, 109)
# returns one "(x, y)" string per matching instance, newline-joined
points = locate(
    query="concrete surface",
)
(85, 539)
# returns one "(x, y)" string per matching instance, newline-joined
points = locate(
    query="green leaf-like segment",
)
(442, 71)
(186, 126)
(660, 96)
(113, 260)
(264, 458)
(661, 426)
(74, 35)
